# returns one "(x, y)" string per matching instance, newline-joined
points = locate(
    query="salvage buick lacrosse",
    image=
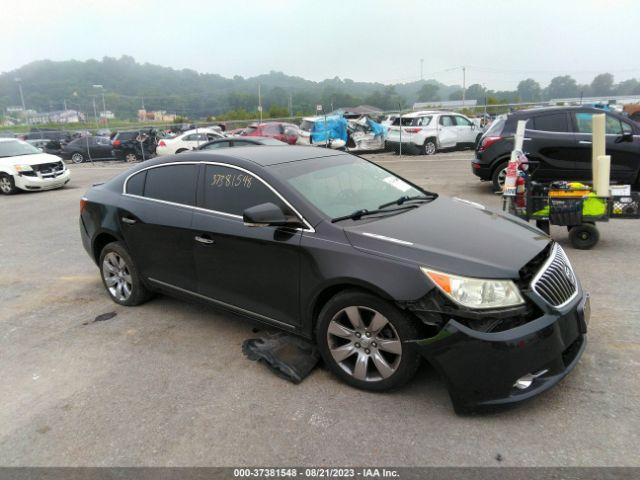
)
(377, 271)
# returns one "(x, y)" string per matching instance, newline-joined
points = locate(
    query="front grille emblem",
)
(569, 274)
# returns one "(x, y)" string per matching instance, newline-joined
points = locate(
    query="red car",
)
(285, 132)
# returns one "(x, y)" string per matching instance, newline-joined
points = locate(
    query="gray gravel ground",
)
(167, 384)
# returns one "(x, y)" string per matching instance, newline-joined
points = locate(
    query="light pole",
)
(104, 106)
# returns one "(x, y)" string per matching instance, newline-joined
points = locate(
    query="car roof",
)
(8, 139)
(569, 108)
(265, 157)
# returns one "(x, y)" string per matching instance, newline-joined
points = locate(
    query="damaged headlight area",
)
(476, 293)
(23, 168)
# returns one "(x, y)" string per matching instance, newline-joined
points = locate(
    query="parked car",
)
(430, 131)
(56, 135)
(285, 132)
(25, 167)
(134, 145)
(559, 140)
(239, 142)
(334, 248)
(88, 148)
(45, 145)
(56, 139)
(189, 140)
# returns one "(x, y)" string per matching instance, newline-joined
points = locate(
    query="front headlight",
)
(476, 292)
(23, 168)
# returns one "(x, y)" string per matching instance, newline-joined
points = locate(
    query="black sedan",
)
(87, 148)
(326, 245)
(239, 142)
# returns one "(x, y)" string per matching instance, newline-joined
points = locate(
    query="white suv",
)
(430, 131)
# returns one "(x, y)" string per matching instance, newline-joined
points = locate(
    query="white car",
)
(188, 140)
(430, 131)
(25, 167)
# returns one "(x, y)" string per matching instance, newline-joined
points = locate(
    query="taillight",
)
(83, 203)
(487, 142)
(162, 144)
(412, 130)
(115, 143)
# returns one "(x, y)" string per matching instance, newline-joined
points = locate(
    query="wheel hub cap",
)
(364, 343)
(117, 276)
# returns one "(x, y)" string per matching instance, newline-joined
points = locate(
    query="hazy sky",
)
(500, 42)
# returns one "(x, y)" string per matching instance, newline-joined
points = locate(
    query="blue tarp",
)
(335, 128)
(376, 128)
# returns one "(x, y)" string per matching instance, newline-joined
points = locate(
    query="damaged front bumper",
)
(502, 368)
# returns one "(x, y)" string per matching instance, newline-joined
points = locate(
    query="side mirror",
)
(268, 214)
(625, 137)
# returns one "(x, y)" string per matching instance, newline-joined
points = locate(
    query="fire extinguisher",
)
(521, 200)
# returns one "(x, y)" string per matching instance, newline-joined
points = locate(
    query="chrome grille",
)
(556, 282)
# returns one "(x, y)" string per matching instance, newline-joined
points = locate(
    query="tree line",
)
(128, 86)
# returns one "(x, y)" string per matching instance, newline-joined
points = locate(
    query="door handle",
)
(585, 142)
(127, 220)
(205, 240)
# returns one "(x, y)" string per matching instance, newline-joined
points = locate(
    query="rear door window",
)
(172, 183)
(232, 191)
(553, 122)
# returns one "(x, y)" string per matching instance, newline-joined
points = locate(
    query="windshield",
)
(14, 148)
(342, 184)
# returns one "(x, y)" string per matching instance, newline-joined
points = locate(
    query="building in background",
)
(155, 116)
(58, 116)
(107, 115)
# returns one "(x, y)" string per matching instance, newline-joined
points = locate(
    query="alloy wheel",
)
(117, 276)
(5, 185)
(502, 176)
(430, 148)
(130, 157)
(364, 343)
(77, 158)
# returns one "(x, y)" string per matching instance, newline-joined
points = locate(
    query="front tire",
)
(120, 276)
(363, 340)
(7, 184)
(77, 158)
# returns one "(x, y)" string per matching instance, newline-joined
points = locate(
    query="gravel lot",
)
(166, 383)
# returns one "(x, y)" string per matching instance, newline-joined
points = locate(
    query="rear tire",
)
(429, 147)
(7, 184)
(498, 176)
(120, 277)
(364, 341)
(130, 157)
(77, 158)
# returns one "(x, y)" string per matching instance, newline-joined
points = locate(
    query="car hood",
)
(34, 159)
(454, 236)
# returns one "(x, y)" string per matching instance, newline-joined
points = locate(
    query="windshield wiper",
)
(358, 214)
(407, 198)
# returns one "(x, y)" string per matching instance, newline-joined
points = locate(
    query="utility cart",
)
(573, 205)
